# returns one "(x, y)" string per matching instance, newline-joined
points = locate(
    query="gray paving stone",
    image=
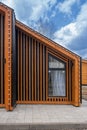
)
(41, 117)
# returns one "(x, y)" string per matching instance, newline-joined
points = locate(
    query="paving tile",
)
(28, 121)
(45, 114)
(3, 121)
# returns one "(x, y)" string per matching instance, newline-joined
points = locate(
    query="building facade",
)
(33, 68)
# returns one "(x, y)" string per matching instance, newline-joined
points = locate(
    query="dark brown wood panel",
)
(17, 35)
(44, 75)
(21, 65)
(30, 66)
(2, 98)
(70, 65)
(34, 70)
(40, 72)
(27, 68)
(37, 71)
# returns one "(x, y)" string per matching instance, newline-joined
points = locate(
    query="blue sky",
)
(64, 21)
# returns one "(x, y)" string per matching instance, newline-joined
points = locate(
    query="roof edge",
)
(48, 39)
(39, 34)
(6, 6)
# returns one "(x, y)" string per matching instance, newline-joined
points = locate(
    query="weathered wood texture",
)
(84, 72)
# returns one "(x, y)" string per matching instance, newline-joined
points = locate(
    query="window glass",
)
(56, 76)
(54, 63)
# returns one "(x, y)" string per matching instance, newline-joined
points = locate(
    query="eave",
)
(46, 40)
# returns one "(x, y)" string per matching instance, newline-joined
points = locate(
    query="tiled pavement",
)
(45, 114)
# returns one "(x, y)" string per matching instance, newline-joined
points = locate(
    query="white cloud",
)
(74, 35)
(66, 34)
(8, 2)
(66, 6)
(30, 9)
(33, 13)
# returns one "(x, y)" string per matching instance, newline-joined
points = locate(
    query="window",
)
(56, 76)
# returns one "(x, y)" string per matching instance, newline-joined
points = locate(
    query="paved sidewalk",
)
(45, 114)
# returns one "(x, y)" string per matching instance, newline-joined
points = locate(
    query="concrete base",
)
(44, 117)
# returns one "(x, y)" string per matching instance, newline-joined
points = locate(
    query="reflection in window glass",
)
(57, 83)
(54, 63)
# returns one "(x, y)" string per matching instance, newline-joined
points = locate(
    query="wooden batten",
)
(37, 70)
(34, 69)
(27, 69)
(40, 72)
(37, 65)
(1, 59)
(5, 67)
(30, 81)
(17, 32)
(84, 72)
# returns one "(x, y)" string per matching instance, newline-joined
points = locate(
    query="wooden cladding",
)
(6, 43)
(26, 53)
(32, 59)
(84, 72)
(2, 59)
(31, 68)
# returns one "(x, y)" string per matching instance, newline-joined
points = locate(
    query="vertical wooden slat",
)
(34, 70)
(30, 68)
(29, 42)
(68, 72)
(40, 72)
(18, 43)
(36, 75)
(20, 73)
(43, 73)
(46, 74)
(2, 40)
(66, 76)
(3, 62)
(69, 79)
(37, 65)
(27, 67)
(21, 63)
(23, 67)
(0, 59)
